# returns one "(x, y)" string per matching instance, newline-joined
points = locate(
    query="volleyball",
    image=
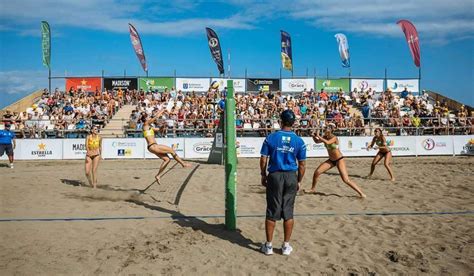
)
(215, 85)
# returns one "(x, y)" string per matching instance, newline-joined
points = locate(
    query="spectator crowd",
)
(71, 114)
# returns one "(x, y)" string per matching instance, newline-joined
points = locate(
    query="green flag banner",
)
(153, 84)
(46, 43)
(332, 85)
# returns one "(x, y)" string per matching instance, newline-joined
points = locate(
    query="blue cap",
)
(288, 116)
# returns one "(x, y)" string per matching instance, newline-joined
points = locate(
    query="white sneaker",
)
(267, 250)
(286, 250)
(11, 165)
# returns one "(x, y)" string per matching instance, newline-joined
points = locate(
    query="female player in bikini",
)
(335, 160)
(384, 152)
(161, 151)
(93, 151)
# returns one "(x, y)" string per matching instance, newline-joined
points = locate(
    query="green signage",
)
(153, 84)
(332, 85)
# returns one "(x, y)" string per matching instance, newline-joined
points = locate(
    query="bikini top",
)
(332, 146)
(379, 142)
(149, 132)
(93, 143)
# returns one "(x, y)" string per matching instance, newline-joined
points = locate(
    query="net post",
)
(230, 160)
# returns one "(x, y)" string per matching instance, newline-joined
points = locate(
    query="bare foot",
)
(363, 196)
(186, 165)
(393, 179)
(158, 180)
(310, 191)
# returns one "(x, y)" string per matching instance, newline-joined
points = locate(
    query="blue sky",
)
(89, 36)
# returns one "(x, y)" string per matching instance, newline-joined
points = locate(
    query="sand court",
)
(422, 223)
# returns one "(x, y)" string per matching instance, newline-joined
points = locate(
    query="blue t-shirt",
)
(6, 137)
(284, 148)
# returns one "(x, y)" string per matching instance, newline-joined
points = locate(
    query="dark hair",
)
(287, 118)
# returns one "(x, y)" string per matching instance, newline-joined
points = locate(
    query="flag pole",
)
(419, 80)
(49, 79)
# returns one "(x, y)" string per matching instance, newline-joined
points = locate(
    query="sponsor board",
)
(84, 84)
(332, 85)
(356, 146)
(399, 85)
(249, 147)
(74, 148)
(264, 85)
(192, 84)
(120, 83)
(401, 145)
(39, 149)
(296, 85)
(123, 148)
(197, 147)
(365, 84)
(434, 145)
(239, 84)
(313, 149)
(152, 84)
(177, 144)
(463, 144)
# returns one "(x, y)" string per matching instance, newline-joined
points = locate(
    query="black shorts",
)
(8, 148)
(281, 194)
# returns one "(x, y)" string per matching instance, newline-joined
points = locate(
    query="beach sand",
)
(334, 232)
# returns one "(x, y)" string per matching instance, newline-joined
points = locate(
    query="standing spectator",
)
(286, 167)
(7, 143)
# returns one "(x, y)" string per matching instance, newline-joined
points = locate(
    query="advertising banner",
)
(120, 83)
(84, 84)
(192, 84)
(249, 147)
(177, 144)
(74, 148)
(402, 145)
(313, 149)
(197, 147)
(332, 85)
(463, 144)
(152, 84)
(434, 145)
(264, 85)
(399, 85)
(365, 84)
(356, 146)
(215, 48)
(123, 148)
(239, 84)
(137, 46)
(296, 85)
(286, 55)
(39, 149)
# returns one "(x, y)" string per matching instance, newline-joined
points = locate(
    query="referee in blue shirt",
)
(283, 154)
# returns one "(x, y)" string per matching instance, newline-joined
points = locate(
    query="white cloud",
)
(436, 20)
(108, 15)
(25, 82)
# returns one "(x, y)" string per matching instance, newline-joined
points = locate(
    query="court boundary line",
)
(174, 217)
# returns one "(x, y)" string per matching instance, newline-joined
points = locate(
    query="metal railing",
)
(246, 127)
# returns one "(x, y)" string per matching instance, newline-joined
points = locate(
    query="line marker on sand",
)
(173, 217)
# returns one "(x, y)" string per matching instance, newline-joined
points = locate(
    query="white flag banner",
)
(366, 84)
(399, 85)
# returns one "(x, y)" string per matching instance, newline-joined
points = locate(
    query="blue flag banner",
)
(343, 50)
(286, 56)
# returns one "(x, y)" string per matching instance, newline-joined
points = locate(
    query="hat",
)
(288, 116)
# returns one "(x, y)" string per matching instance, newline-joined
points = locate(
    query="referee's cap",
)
(288, 116)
